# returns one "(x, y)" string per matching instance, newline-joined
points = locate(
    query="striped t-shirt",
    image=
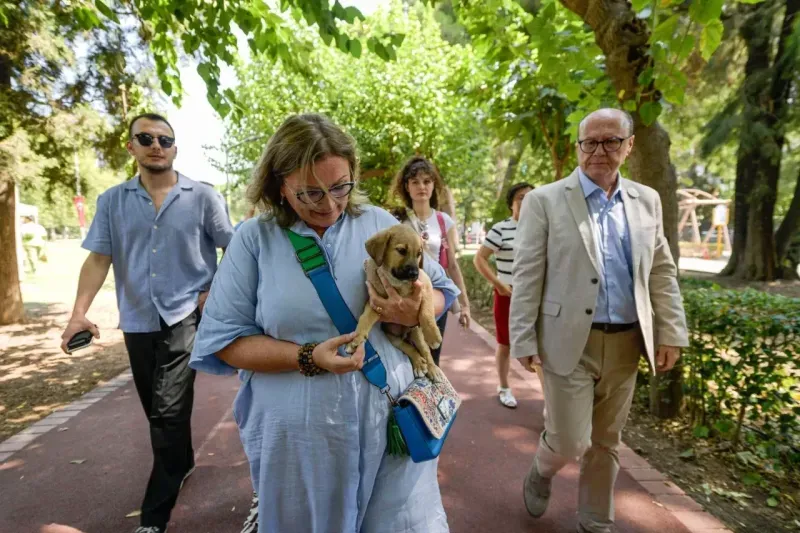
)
(500, 240)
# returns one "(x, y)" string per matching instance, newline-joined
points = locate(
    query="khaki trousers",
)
(586, 412)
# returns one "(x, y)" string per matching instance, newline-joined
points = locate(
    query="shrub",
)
(741, 369)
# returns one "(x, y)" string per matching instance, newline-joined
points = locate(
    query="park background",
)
(492, 91)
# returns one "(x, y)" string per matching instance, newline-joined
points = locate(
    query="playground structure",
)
(688, 202)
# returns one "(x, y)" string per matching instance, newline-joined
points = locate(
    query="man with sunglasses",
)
(595, 287)
(160, 230)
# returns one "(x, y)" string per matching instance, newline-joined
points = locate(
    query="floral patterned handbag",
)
(425, 412)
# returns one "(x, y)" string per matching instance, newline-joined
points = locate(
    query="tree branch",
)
(579, 7)
(544, 130)
(620, 35)
(551, 144)
(623, 39)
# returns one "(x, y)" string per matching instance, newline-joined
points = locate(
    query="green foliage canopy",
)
(414, 104)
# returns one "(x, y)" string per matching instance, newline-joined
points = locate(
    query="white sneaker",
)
(506, 398)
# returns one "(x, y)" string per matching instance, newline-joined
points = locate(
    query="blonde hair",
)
(298, 143)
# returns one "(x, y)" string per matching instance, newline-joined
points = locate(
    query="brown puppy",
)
(397, 253)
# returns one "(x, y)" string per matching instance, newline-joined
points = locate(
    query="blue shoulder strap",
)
(312, 260)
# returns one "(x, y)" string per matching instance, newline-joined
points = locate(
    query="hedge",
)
(741, 369)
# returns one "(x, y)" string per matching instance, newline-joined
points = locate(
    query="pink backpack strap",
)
(443, 249)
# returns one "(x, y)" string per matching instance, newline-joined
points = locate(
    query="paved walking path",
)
(89, 470)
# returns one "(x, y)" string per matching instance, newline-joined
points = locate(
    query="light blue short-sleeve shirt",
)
(162, 260)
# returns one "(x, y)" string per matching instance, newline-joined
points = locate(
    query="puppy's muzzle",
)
(406, 272)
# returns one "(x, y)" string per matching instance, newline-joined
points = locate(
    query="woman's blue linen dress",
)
(316, 445)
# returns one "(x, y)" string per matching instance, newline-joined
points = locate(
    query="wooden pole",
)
(683, 220)
(695, 227)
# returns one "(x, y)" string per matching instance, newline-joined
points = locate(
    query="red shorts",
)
(502, 306)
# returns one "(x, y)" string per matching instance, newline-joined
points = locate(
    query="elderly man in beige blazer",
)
(595, 287)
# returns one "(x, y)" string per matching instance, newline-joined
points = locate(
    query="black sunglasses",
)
(145, 139)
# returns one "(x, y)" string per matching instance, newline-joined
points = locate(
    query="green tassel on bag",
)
(396, 443)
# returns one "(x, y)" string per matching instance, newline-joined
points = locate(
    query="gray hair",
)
(625, 118)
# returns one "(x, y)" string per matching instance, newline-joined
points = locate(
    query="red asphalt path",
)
(481, 468)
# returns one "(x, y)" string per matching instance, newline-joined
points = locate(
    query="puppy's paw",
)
(433, 338)
(353, 345)
(434, 373)
(420, 370)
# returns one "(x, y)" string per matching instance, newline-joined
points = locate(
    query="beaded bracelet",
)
(307, 365)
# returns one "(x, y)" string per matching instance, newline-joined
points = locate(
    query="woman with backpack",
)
(421, 189)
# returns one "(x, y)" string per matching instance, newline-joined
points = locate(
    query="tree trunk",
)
(503, 181)
(11, 309)
(760, 260)
(650, 164)
(559, 144)
(781, 86)
(559, 168)
(766, 92)
(745, 170)
(623, 38)
(789, 226)
(747, 155)
(448, 203)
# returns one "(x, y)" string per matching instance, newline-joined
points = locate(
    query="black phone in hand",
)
(80, 340)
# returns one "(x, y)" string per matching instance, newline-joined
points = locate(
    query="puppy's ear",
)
(376, 246)
(421, 256)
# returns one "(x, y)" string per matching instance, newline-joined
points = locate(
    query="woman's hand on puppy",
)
(326, 356)
(395, 309)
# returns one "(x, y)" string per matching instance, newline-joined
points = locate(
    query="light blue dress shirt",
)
(316, 445)
(162, 261)
(615, 300)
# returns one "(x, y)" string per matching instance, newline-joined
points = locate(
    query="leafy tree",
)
(528, 97)
(41, 75)
(411, 105)
(42, 79)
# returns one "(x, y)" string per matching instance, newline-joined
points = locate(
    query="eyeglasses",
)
(314, 196)
(145, 139)
(589, 146)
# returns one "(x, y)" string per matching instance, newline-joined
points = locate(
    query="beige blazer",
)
(555, 274)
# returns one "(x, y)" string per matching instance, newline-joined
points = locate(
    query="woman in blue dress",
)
(314, 429)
